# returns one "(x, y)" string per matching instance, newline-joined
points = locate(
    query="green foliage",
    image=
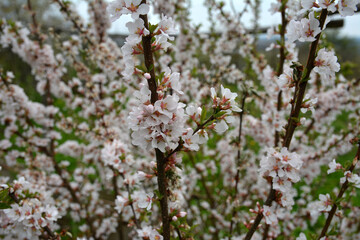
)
(5, 199)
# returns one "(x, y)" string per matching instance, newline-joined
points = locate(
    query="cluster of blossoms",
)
(31, 211)
(345, 7)
(159, 125)
(133, 7)
(283, 169)
(305, 30)
(326, 65)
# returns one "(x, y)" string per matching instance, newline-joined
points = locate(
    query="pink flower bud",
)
(147, 76)
(182, 214)
(174, 218)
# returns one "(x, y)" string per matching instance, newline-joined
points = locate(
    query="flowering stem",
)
(292, 124)
(179, 233)
(258, 218)
(160, 159)
(64, 8)
(131, 202)
(119, 228)
(344, 187)
(282, 61)
(302, 84)
(199, 127)
(238, 161)
(46, 228)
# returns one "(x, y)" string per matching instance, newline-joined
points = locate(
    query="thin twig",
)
(238, 161)
(293, 115)
(344, 187)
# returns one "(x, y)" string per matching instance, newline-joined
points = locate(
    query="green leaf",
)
(152, 28)
(219, 114)
(203, 114)
(4, 205)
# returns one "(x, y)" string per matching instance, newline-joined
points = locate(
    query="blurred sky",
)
(199, 15)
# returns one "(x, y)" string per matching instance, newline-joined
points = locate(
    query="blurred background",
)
(343, 34)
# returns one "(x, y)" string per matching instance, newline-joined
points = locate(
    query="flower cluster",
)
(282, 167)
(305, 30)
(159, 125)
(326, 65)
(226, 104)
(345, 7)
(121, 7)
(30, 210)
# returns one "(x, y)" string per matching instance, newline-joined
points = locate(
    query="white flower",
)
(193, 111)
(145, 201)
(308, 104)
(140, 175)
(284, 168)
(326, 65)
(281, 184)
(161, 42)
(166, 26)
(137, 31)
(154, 235)
(351, 178)
(305, 30)
(182, 214)
(302, 236)
(191, 141)
(286, 78)
(333, 166)
(171, 80)
(325, 203)
(221, 127)
(115, 9)
(120, 203)
(227, 100)
(115, 154)
(166, 107)
(307, 4)
(330, 5)
(203, 136)
(347, 7)
(144, 232)
(270, 215)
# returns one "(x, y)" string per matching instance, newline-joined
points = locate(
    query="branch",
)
(302, 85)
(344, 187)
(238, 161)
(292, 124)
(160, 159)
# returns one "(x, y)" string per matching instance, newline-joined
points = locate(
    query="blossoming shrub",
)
(167, 137)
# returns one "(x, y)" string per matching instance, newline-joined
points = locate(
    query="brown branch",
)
(238, 162)
(179, 233)
(119, 228)
(160, 159)
(64, 8)
(198, 128)
(290, 128)
(303, 83)
(131, 202)
(344, 187)
(281, 63)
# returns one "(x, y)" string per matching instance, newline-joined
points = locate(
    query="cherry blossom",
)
(270, 215)
(305, 30)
